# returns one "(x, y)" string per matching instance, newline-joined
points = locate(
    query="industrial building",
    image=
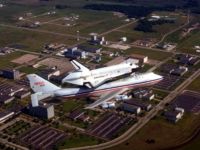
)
(8, 91)
(179, 71)
(90, 49)
(5, 50)
(138, 103)
(22, 94)
(75, 53)
(131, 108)
(142, 59)
(142, 93)
(98, 40)
(44, 111)
(54, 46)
(48, 73)
(187, 59)
(79, 115)
(10, 74)
(5, 115)
(174, 115)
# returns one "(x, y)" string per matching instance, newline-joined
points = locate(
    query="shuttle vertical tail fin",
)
(79, 66)
(39, 84)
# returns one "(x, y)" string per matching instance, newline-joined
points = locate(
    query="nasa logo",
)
(39, 83)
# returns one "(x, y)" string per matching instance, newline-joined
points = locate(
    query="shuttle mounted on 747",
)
(82, 76)
(44, 88)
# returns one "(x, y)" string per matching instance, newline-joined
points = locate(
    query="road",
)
(178, 28)
(143, 121)
(159, 64)
(122, 26)
(45, 31)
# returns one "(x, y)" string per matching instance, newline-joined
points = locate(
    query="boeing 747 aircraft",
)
(44, 88)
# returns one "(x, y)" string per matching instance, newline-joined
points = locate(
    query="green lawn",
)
(160, 30)
(164, 134)
(31, 40)
(77, 140)
(192, 145)
(70, 105)
(157, 55)
(195, 85)
(5, 60)
(28, 70)
(160, 94)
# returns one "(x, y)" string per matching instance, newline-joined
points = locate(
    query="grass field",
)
(31, 40)
(160, 30)
(195, 85)
(161, 131)
(192, 145)
(157, 55)
(78, 141)
(5, 60)
(187, 43)
(70, 105)
(11, 12)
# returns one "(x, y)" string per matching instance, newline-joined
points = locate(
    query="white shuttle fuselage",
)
(93, 78)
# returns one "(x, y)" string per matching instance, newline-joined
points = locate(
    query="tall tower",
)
(78, 36)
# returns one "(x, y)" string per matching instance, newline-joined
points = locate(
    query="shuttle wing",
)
(97, 82)
(106, 97)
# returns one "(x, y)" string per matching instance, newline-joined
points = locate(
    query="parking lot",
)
(188, 100)
(108, 126)
(168, 82)
(42, 137)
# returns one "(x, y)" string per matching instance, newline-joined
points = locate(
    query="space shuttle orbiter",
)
(94, 78)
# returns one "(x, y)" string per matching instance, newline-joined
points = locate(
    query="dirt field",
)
(24, 59)
(63, 64)
(115, 61)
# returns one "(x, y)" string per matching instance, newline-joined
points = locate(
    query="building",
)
(79, 115)
(22, 94)
(48, 73)
(98, 40)
(107, 105)
(44, 111)
(167, 46)
(142, 59)
(5, 99)
(143, 105)
(131, 108)
(5, 115)
(54, 46)
(8, 91)
(74, 115)
(97, 59)
(174, 115)
(75, 53)
(90, 49)
(187, 59)
(142, 93)
(180, 71)
(122, 97)
(10, 74)
(123, 39)
(5, 50)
